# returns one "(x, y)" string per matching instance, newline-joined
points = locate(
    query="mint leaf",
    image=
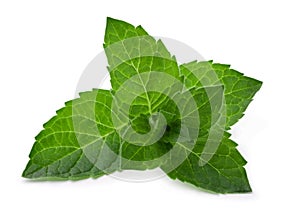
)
(158, 114)
(219, 170)
(212, 75)
(131, 51)
(132, 54)
(223, 173)
(238, 89)
(60, 150)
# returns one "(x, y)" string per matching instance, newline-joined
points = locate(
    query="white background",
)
(45, 46)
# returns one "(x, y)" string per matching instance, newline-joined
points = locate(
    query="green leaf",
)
(158, 114)
(131, 51)
(195, 74)
(118, 30)
(206, 165)
(238, 89)
(223, 173)
(72, 142)
(131, 54)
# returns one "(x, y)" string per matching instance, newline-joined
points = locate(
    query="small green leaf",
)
(238, 89)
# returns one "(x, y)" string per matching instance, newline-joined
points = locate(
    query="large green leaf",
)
(158, 114)
(145, 79)
(77, 142)
(217, 169)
